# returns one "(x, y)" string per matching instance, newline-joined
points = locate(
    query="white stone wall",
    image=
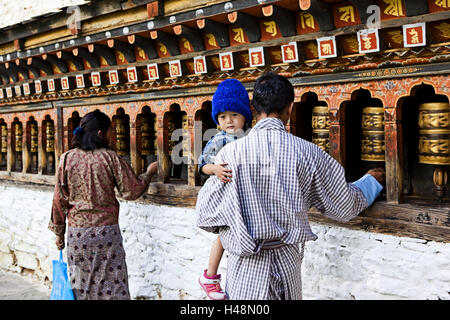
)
(166, 253)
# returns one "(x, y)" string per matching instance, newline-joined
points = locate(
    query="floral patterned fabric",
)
(85, 194)
(97, 266)
(85, 189)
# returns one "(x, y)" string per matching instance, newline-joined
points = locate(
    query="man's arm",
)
(333, 196)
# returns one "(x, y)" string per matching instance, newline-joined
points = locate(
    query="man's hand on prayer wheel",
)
(60, 242)
(152, 168)
(379, 174)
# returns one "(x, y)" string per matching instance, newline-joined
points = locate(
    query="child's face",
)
(231, 122)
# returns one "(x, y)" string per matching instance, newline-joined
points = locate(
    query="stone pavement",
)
(16, 287)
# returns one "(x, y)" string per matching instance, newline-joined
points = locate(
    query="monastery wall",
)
(166, 253)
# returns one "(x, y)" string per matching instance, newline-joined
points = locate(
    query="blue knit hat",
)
(231, 96)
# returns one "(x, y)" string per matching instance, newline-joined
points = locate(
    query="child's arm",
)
(218, 170)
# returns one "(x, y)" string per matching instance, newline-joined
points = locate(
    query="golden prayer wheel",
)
(34, 147)
(50, 137)
(434, 140)
(121, 137)
(4, 140)
(146, 135)
(170, 129)
(372, 142)
(321, 127)
(434, 131)
(33, 137)
(18, 137)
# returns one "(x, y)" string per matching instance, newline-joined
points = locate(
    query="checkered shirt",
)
(277, 177)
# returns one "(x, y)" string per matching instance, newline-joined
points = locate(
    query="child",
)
(231, 111)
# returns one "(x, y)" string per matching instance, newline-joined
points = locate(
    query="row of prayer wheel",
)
(18, 146)
(372, 124)
(148, 135)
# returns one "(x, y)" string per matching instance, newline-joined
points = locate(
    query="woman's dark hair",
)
(272, 93)
(86, 135)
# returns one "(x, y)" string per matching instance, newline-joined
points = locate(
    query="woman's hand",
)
(152, 169)
(379, 174)
(60, 242)
(222, 173)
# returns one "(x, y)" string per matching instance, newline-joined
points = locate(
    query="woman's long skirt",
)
(97, 266)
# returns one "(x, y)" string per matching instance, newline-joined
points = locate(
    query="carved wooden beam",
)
(40, 64)
(193, 37)
(283, 18)
(249, 23)
(23, 64)
(105, 52)
(77, 61)
(145, 44)
(218, 30)
(60, 64)
(323, 14)
(17, 69)
(125, 48)
(84, 53)
(4, 74)
(168, 40)
(9, 73)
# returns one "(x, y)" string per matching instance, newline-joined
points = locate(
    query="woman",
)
(85, 193)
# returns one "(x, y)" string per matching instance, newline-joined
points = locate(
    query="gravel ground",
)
(16, 287)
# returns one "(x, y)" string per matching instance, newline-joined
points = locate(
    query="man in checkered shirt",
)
(261, 214)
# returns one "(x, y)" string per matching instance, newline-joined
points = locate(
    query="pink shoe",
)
(211, 285)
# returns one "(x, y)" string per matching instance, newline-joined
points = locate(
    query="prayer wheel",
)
(121, 136)
(148, 141)
(50, 146)
(4, 141)
(18, 137)
(18, 133)
(3, 146)
(34, 147)
(170, 129)
(146, 134)
(372, 142)
(321, 127)
(33, 137)
(434, 140)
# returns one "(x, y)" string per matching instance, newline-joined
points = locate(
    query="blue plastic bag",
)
(61, 289)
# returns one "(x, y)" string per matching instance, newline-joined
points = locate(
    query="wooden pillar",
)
(196, 143)
(193, 179)
(59, 136)
(337, 135)
(136, 162)
(163, 151)
(394, 155)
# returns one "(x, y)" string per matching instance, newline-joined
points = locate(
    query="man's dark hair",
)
(272, 93)
(86, 136)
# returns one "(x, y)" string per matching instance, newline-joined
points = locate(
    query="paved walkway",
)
(16, 287)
